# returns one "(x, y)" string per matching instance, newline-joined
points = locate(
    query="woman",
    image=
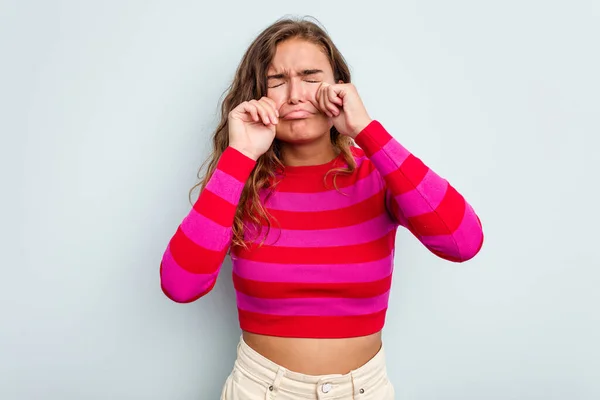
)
(309, 220)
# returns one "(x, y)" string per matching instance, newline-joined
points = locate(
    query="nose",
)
(296, 92)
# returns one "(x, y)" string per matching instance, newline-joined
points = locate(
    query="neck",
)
(304, 154)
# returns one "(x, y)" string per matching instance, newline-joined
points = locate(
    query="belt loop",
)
(274, 388)
(355, 384)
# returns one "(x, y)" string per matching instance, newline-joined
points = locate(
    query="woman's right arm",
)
(193, 258)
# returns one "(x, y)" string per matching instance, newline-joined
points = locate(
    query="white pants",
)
(254, 377)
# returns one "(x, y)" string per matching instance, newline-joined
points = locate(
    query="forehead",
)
(297, 54)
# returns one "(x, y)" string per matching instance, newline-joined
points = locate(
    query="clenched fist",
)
(344, 106)
(252, 127)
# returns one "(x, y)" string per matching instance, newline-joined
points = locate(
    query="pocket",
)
(245, 386)
(382, 389)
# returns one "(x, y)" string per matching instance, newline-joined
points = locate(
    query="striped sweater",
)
(325, 268)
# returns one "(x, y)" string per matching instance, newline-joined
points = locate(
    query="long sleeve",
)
(194, 255)
(421, 200)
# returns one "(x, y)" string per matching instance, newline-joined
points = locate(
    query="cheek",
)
(278, 98)
(311, 91)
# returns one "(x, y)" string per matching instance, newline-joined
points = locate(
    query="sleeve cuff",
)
(372, 138)
(236, 164)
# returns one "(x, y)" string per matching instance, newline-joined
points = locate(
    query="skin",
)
(303, 102)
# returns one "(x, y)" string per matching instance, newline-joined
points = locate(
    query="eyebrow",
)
(305, 72)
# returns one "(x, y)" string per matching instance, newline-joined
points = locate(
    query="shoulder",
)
(361, 159)
(357, 152)
(364, 166)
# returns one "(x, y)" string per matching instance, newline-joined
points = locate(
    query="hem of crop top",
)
(330, 327)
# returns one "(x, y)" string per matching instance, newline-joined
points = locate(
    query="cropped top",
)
(325, 267)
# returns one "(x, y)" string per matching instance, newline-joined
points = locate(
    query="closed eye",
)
(306, 80)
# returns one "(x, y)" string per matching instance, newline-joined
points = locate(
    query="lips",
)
(297, 114)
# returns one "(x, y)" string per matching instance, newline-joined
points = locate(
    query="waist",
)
(316, 356)
(267, 372)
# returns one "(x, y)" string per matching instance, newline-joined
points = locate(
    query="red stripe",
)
(234, 163)
(452, 208)
(373, 138)
(313, 327)
(299, 183)
(356, 214)
(216, 208)
(285, 290)
(193, 258)
(408, 176)
(446, 256)
(365, 252)
(445, 219)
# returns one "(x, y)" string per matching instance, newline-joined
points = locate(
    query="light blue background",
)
(107, 109)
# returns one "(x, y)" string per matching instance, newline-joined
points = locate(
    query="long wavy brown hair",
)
(250, 82)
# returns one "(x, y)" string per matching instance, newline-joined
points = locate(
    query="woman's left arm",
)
(417, 197)
(421, 200)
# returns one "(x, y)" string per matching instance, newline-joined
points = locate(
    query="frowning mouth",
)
(298, 114)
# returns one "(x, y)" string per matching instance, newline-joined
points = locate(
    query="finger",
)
(250, 109)
(334, 97)
(318, 93)
(322, 104)
(314, 101)
(261, 111)
(319, 98)
(332, 108)
(270, 108)
(272, 103)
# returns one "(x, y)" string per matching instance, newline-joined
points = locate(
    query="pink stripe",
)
(359, 161)
(465, 241)
(425, 198)
(390, 157)
(347, 236)
(225, 186)
(313, 306)
(181, 284)
(205, 232)
(329, 200)
(313, 273)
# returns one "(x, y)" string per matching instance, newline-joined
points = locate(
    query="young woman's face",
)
(293, 78)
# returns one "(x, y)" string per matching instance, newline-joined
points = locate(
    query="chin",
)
(303, 130)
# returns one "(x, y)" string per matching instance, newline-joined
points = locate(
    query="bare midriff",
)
(316, 356)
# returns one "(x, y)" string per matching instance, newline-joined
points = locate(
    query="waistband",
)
(354, 382)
